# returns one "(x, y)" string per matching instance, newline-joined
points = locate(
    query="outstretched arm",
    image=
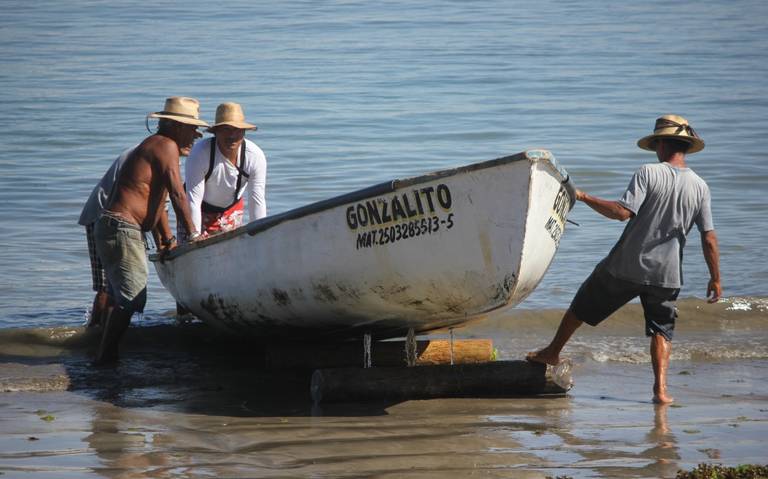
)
(164, 238)
(712, 257)
(162, 232)
(610, 209)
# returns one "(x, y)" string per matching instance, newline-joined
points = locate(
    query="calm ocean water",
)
(347, 94)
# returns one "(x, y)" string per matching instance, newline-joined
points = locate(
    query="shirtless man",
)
(149, 175)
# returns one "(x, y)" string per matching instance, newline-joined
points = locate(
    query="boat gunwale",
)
(269, 222)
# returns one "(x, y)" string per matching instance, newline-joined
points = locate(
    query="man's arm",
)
(257, 203)
(712, 257)
(162, 232)
(196, 167)
(164, 238)
(169, 162)
(610, 209)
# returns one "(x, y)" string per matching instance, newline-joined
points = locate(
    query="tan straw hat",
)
(673, 127)
(181, 109)
(231, 114)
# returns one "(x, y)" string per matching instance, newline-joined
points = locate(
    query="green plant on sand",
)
(717, 471)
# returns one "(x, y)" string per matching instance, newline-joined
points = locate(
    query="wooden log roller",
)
(489, 379)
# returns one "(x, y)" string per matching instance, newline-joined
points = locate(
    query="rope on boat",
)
(410, 348)
(367, 350)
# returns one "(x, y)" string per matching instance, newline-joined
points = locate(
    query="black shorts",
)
(603, 294)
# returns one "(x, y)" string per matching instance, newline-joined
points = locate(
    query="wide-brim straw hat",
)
(182, 109)
(231, 114)
(672, 127)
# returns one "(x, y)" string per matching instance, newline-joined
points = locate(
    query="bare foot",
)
(662, 398)
(543, 356)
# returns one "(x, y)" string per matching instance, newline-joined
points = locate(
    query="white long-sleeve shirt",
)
(219, 190)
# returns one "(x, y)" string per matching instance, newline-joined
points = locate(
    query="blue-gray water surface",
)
(348, 94)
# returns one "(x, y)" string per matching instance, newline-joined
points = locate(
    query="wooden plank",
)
(383, 354)
(492, 379)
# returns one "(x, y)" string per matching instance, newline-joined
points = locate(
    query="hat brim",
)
(237, 124)
(697, 144)
(180, 119)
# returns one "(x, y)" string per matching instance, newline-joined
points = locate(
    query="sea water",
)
(347, 94)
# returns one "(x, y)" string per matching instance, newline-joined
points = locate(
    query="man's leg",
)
(122, 249)
(114, 328)
(101, 301)
(661, 349)
(660, 315)
(99, 310)
(551, 354)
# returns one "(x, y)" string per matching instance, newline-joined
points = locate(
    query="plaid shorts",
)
(602, 294)
(98, 275)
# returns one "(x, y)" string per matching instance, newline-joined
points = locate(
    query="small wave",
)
(636, 352)
(746, 304)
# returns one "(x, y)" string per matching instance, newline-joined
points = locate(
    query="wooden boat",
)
(428, 252)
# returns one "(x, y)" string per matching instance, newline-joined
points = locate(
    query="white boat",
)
(429, 252)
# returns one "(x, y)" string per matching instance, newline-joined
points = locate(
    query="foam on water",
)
(746, 304)
(704, 332)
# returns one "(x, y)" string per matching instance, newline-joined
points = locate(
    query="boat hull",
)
(425, 253)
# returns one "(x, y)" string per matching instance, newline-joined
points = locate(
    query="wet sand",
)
(200, 412)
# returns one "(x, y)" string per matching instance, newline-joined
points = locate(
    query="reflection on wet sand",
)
(199, 409)
(664, 451)
(125, 450)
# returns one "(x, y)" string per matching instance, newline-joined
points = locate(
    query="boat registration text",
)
(385, 220)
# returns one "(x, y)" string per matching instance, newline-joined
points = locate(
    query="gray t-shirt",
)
(100, 195)
(666, 201)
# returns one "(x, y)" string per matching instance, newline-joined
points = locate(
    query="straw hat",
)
(231, 114)
(676, 128)
(181, 109)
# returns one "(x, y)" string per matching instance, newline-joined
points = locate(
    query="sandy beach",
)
(203, 411)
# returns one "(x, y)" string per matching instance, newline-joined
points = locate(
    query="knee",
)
(573, 318)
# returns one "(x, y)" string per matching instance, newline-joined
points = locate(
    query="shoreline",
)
(208, 412)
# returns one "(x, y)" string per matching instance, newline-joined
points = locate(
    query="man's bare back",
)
(148, 175)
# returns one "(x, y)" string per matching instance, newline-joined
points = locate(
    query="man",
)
(219, 172)
(148, 176)
(663, 202)
(98, 198)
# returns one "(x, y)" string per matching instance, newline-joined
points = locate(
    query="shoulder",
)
(200, 150)
(117, 165)
(124, 155)
(698, 181)
(158, 147)
(652, 167)
(645, 172)
(655, 171)
(252, 148)
(254, 155)
(696, 177)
